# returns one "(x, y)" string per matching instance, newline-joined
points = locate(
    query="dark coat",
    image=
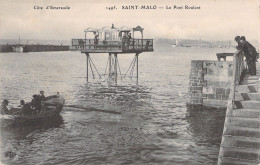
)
(4, 110)
(36, 103)
(42, 97)
(25, 110)
(249, 51)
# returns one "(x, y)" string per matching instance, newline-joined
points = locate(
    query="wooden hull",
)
(53, 106)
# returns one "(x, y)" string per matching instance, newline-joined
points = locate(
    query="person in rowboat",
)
(25, 109)
(36, 104)
(42, 97)
(4, 109)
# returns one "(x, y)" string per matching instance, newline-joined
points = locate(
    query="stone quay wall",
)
(210, 83)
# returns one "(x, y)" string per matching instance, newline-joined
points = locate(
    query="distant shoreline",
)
(33, 48)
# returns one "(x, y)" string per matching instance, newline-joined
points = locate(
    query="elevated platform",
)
(113, 41)
(241, 136)
(134, 46)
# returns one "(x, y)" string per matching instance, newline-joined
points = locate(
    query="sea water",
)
(155, 125)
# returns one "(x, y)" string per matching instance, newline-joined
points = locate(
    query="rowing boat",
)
(53, 105)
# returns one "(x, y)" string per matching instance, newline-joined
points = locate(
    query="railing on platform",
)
(141, 44)
(239, 68)
(91, 44)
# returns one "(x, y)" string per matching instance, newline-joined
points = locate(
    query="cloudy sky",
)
(215, 20)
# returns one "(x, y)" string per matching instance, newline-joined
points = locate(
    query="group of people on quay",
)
(31, 108)
(249, 52)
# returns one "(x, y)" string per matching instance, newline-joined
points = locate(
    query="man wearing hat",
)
(42, 97)
(250, 54)
(239, 45)
(128, 40)
(4, 109)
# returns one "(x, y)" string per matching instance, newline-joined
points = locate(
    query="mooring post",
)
(137, 67)
(87, 64)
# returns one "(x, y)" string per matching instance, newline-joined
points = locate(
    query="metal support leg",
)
(115, 67)
(87, 64)
(109, 67)
(136, 67)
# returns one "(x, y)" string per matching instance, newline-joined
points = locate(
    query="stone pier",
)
(209, 83)
(241, 135)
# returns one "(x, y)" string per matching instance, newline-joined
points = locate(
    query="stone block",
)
(230, 72)
(204, 71)
(197, 64)
(210, 71)
(215, 103)
(227, 92)
(220, 91)
(218, 97)
(225, 84)
(198, 101)
(211, 96)
(224, 97)
(198, 88)
(204, 96)
(194, 78)
(208, 90)
(207, 64)
(210, 80)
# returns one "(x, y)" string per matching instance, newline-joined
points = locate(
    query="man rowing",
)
(4, 109)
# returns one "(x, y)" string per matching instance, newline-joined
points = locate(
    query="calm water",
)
(155, 125)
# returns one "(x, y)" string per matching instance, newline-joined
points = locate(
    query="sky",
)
(215, 20)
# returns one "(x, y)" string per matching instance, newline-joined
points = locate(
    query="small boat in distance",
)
(18, 48)
(52, 107)
(176, 43)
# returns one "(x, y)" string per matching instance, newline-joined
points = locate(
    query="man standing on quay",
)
(250, 54)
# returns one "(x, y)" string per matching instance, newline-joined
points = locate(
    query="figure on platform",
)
(124, 41)
(95, 41)
(250, 54)
(81, 44)
(4, 109)
(128, 41)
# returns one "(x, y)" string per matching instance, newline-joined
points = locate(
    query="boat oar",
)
(91, 109)
(7, 117)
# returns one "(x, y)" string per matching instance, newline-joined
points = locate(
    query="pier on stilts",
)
(241, 135)
(113, 41)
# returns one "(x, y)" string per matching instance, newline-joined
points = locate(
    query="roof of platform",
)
(112, 28)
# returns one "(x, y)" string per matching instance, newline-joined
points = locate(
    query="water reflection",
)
(25, 129)
(21, 139)
(206, 126)
(154, 125)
